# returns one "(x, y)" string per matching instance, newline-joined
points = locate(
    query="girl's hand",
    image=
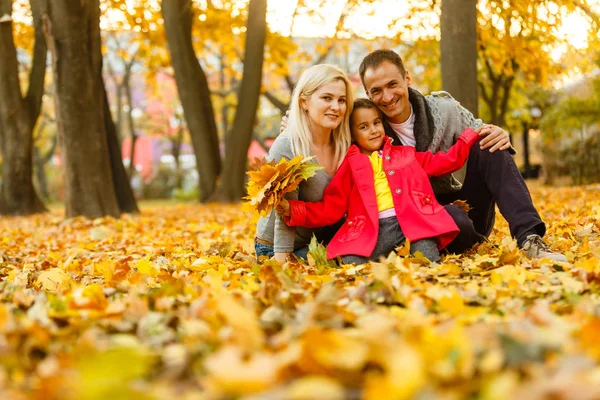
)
(283, 208)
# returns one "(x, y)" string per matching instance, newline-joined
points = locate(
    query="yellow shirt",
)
(382, 188)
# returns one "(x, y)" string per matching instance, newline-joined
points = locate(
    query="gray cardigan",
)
(272, 228)
(439, 120)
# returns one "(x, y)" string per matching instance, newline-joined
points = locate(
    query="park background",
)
(532, 70)
(126, 261)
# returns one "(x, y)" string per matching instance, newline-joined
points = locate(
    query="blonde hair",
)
(298, 127)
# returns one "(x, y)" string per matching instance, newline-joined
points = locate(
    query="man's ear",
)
(407, 78)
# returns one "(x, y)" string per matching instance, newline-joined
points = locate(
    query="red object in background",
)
(257, 151)
(148, 152)
(143, 157)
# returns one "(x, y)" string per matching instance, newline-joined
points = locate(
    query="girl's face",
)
(367, 129)
(326, 107)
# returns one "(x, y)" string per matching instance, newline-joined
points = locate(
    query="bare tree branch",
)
(277, 103)
(484, 92)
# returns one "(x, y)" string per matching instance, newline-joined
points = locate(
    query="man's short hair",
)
(376, 58)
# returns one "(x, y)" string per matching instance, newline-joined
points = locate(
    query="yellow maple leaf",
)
(272, 181)
(463, 205)
(145, 266)
(53, 279)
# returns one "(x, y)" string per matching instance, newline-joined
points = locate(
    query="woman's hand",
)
(283, 208)
(281, 257)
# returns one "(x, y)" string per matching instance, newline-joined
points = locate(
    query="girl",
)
(386, 193)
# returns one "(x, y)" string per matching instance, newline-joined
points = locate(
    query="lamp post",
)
(535, 112)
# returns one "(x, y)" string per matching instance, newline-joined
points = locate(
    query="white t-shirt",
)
(405, 131)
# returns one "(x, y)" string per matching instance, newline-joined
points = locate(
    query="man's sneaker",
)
(535, 247)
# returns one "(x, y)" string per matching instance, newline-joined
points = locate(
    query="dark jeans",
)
(390, 236)
(491, 179)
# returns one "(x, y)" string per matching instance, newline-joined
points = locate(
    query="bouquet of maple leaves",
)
(270, 181)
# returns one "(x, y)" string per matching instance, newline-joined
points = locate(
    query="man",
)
(433, 123)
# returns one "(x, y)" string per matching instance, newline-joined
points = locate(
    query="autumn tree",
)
(81, 104)
(516, 43)
(458, 44)
(194, 92)
(290, 59)
(134, 42)
(164, 117)
(125, 197)
(122, 186)
(570, 134)
(18, 115)
(45, 144)
(128, 58)
(232, 188)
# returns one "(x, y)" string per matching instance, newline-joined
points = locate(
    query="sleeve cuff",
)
(297, 213)
(469, 136)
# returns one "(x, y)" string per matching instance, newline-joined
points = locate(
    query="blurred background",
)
(195, 90)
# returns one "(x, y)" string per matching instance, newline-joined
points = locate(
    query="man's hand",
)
(283, 208)
(495, 138)
(284, 121)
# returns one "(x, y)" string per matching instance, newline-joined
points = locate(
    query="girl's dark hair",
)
(366, 103)
(363, 103)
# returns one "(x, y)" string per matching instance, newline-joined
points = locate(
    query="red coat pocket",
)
(425, 202)
(352, 228)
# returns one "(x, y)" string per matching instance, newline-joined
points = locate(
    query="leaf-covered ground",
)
(170, 304)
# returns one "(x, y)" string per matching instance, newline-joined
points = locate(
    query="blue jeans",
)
(263, 249)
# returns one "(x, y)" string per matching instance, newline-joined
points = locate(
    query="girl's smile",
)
(367, 129)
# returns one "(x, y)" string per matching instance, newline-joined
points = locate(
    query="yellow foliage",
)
(172, 301)
(272, 181)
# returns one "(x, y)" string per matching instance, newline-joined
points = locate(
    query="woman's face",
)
(326, 107)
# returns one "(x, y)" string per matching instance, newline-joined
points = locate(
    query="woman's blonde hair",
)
(298, 126)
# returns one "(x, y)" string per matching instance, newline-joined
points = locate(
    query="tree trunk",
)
(18, 116)
(527, 172)
(119, 126)
(40, 173)
(176, 141)
(40, 161)
(130, 122)
(225, 117)
(123, 191)
(194, 93)
(458, 47)
(73, 36)
(232, 187)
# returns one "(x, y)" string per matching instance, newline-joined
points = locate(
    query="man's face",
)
(389, 91)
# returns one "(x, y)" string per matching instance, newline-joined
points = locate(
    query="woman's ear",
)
(303, 106)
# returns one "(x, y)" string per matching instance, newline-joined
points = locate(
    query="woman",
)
(318, 126)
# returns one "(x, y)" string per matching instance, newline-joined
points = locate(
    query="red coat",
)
(352, 191)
